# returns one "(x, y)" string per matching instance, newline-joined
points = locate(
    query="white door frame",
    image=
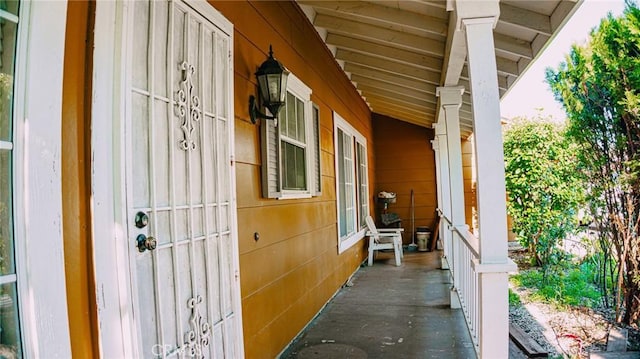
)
(110, 257)
(114, 292)
(37, 179)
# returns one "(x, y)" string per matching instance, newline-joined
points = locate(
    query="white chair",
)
(384, 238)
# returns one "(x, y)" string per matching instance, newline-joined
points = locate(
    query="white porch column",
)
(493, 264)
(435, 145)
(492, 215)
(450, 100)
(444, 191)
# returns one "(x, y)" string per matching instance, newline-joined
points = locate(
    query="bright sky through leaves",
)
(532, 92)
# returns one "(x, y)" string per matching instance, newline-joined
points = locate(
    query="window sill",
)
(348, 242)
(295, 195)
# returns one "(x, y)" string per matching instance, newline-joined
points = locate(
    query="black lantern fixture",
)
(272, 84)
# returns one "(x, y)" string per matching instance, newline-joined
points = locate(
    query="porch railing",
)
(485, 311)
(462, 252)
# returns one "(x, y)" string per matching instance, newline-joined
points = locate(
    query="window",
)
(352, 183)
(291, 148)
(293, 144)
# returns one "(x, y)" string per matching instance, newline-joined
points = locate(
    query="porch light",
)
(272, 85)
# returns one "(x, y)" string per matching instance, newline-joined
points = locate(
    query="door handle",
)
(145, 243)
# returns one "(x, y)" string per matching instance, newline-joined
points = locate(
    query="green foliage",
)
(604, 279)
(544, 187)
(571, 287)
(599, 87)
(514, 299)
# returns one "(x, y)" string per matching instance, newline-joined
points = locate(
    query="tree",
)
(599, 85)
(543, 186)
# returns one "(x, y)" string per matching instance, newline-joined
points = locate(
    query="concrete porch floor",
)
(389, 312)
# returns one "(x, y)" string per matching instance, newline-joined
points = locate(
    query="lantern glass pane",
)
(262, 84)
(274, 87)
(283, 81)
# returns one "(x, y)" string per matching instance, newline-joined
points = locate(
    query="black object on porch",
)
(391, 220)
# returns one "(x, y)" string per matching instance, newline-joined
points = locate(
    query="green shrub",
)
(544, 186)
(514, 299)
(572, 287)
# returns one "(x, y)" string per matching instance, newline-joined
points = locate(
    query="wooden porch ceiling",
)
(397, 52)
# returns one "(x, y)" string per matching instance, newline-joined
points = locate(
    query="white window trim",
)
(363, 143)
(339, 122)
(37, 179)
(303, 92)
(317, 151)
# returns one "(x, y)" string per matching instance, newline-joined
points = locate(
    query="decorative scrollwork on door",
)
(197, 339)
(188, 106)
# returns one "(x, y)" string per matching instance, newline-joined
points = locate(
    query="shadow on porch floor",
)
(389, 312)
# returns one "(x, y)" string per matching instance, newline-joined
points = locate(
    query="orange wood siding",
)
(76, 178)
(405, 161)
(294, 268)
(469, 178)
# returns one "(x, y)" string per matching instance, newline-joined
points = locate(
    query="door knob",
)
(145, 243)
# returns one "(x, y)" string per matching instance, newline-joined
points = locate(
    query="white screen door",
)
(180, 205)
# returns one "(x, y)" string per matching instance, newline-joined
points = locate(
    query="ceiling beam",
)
(419, 87)
(425, 91)
(503, 83)
(430, 8)
(384, 51)
(422, 121)
(455, 53)
(539, 42)
(425, 101)
(563, 12)
(422, 104)
(466, 109)
(388, 66)
(467, 125)
(466, 121)
(522, 65)
(512, 46)
(379, 105)
(466, 99)
(401, 101)
(464, 83)
(507, 67)
(383, 14)
(399, 79)
(380, 35)
(526, 19)
(399, 104)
